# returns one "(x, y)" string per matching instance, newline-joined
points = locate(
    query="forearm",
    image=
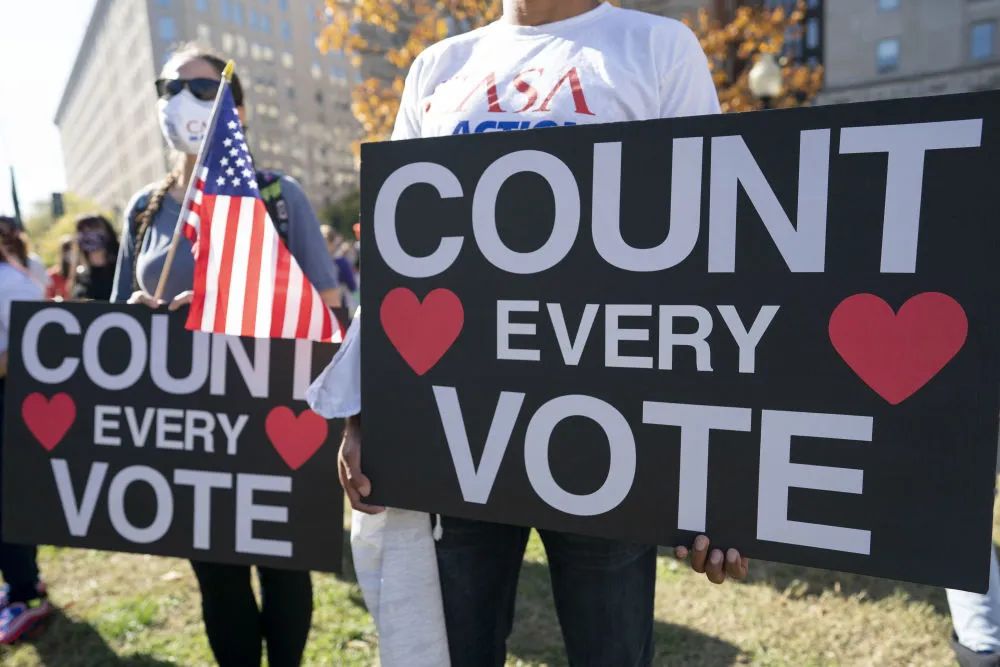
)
(3, 365)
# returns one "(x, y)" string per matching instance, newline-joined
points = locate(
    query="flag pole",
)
(227, 77)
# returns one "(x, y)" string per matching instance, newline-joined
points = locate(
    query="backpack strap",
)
(269, 186)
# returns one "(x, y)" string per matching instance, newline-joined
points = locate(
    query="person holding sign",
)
(23, 603)
(188, 85)
(545, 63)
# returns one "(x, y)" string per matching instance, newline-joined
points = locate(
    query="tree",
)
(732, 49)
(396, 31)
(46, 232)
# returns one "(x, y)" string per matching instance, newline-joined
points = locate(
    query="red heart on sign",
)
(422, 332)
(295, 439)
(48, 419)
(898, 353)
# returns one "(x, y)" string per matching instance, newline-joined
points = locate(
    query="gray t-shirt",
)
(305, 242)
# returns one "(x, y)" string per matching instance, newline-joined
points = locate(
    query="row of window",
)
(982, 45)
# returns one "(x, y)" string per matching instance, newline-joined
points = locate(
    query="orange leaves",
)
(733, 48)
(396, 31)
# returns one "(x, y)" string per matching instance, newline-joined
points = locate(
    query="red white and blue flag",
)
(246, 282)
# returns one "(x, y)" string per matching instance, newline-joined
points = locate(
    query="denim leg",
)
(478, 565)
(604, 597)
(18, 563)
(976, 617)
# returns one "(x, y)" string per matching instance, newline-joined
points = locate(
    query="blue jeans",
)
(17, 561)
(603, 593)
(976, 616)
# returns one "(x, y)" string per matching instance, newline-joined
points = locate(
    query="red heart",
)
(422, 332)
(48, 419)
(897, 354)
(295, 439)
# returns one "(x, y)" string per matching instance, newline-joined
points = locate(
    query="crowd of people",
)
(448, 593)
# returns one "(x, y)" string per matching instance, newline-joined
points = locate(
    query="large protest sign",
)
(779, 329)
(124, 431)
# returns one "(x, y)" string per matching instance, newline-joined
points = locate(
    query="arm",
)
(121, 288)
(306, 243)
(3, 364)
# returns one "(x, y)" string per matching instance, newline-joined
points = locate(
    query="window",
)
(286, 31)
(167, 29)
(204, 33)
(287, 60)
(888, 5)
(163, 3)
(252, 19)
(887, 55)
(812, 33)
(265, 24)
(201, 5)
(981, 39)
(283, 4)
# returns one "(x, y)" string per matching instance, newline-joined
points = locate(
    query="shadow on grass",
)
(537, 637)
(65, 642)
(802, 582)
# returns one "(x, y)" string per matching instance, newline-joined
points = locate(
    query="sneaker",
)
(966, 657)
(19, 618)
(40, 588)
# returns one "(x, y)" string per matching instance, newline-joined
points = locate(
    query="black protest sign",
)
(779, 329)
(124, 431)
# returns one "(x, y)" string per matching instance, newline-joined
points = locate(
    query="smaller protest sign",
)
(126, 432)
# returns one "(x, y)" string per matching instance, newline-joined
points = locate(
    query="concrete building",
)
(298, 100)
(881, 49)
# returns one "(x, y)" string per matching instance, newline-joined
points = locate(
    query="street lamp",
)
(766, 81)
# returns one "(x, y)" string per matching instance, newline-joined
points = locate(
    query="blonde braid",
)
(145, 219)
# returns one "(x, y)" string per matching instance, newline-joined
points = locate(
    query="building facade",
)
(881, 49)
(297, 99)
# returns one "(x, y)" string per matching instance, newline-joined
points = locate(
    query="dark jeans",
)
(236, 625)
(603, 592)
(17, 561)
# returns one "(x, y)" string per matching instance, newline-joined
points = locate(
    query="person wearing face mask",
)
(235, 624)
(95, 238)
(23, 600)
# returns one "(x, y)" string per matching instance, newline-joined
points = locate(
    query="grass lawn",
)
(142, 611)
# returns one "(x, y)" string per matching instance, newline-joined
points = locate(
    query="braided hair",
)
(144, 220)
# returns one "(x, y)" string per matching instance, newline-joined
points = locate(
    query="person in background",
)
(23, 600)
(32, 263)
(234, 622)
(98, 248)
(61, 275)
(341, 252)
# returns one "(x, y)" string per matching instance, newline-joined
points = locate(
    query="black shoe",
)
(968, 658)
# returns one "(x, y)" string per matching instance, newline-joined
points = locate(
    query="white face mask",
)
(184, 121)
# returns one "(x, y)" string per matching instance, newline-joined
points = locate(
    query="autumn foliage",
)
(733, 48)
(396, 31)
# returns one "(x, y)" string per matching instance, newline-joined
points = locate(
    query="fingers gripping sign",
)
(355, 483)
(714, 564)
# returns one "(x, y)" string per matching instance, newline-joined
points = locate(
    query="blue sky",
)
(38, 42)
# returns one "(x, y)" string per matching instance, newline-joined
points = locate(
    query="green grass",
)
(142, 611)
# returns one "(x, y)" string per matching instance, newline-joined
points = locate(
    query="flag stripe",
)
(268, 270)
(201, 249)
(253, 269)
(280, 291)
(306, 311)
(226, 264)
(214, 261)
(238, 286)
(293, 300)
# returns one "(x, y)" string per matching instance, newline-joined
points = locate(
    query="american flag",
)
(246, 282)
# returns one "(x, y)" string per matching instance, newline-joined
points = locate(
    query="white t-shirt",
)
(15, 285)
(602, 66)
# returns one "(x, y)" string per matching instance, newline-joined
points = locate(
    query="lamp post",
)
(766, 81)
